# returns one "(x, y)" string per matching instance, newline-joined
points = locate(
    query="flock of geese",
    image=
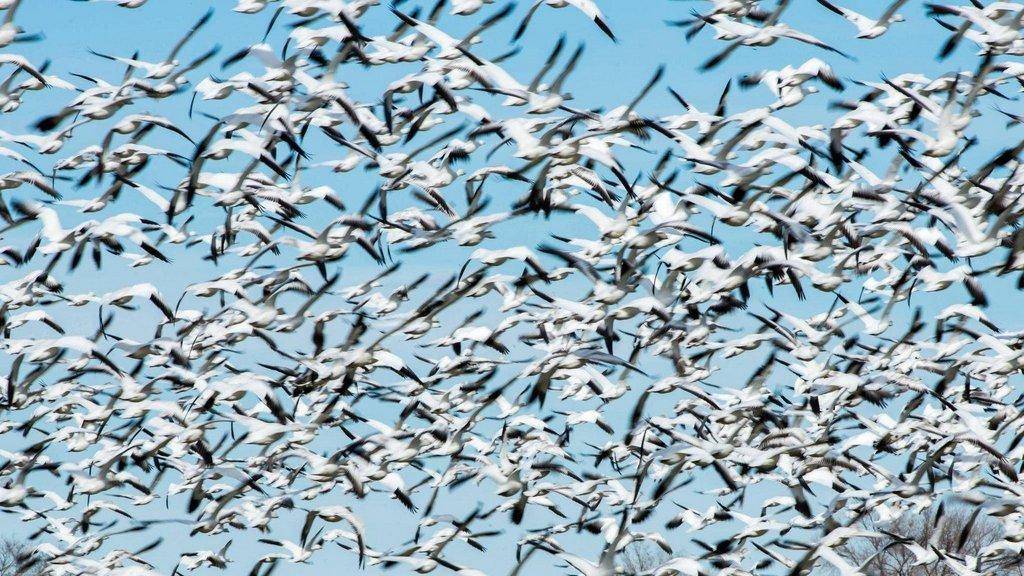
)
(395, 305)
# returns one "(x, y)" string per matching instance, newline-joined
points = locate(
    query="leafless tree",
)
(640, 557)
(955, 529)
(14, 555)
